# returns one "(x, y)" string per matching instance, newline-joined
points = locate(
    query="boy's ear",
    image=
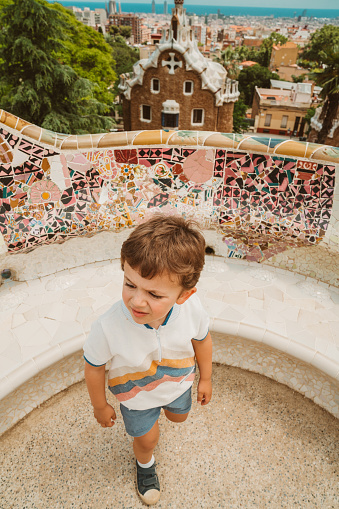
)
(186, 294)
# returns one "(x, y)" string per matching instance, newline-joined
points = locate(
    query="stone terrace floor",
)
(258, 444)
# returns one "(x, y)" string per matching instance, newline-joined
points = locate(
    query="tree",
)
(240, 123)
(251, 77)
(309, 114)
(322, 55)
(86, 51)
(321, 39)
(328, 79)
(113, 30)
(229, 60)
(125, 31)
(124, 56)
(264, 54)
(34, 84)
(298, 79)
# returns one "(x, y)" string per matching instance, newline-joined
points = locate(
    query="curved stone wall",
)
(266, 320)
(255, 198)
(262, 195)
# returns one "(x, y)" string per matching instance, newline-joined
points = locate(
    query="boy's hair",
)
(166, 244)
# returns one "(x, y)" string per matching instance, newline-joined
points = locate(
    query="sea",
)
(201, 10)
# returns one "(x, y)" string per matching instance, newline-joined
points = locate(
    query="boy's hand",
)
(204, 391)
(105, 416)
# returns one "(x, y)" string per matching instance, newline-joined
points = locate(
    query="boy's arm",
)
(203, 354)
(95, 380)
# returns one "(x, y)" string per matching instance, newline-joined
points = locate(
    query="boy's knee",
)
(146, 442)
(175, 417)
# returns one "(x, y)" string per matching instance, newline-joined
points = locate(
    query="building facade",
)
(177, 87)
(285, 54)
(281, 111)
(130, 20)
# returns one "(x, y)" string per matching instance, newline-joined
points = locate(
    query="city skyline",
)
(288, 4)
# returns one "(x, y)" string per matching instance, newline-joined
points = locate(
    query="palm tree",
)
(229, 60)
(328, 79)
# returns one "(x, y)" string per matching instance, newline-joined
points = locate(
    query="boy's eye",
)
(129, 285)
(155, 296)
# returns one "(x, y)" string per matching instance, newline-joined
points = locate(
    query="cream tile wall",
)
(268, 320)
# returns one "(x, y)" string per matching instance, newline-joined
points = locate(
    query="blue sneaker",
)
(148, 485)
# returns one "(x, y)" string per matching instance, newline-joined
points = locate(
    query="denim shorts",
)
(140, 422)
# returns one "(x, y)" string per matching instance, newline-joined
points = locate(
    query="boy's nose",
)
(138, 300)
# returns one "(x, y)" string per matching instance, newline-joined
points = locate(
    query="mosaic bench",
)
(257, 199)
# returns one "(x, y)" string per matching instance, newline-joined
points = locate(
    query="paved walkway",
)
(257, 445)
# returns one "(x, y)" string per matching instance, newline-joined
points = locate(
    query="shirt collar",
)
(172, 315)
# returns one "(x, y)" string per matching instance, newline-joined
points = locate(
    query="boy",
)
(151, 338)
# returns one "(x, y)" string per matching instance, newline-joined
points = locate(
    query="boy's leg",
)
(147, 479)
(178, 410)
(144, 446)
(175, 417)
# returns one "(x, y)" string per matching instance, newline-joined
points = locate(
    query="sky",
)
(293, 4)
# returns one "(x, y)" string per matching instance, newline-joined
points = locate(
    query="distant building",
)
(165, 8)
(95, 18)
(177, 87)
(199, 32)
(286, 72)
(252, 42)
(285, 54)
(145, 34)
(112, 8)
(302, 88)
(130, 20)
(247, 63)
(153, 6)
(281, 111)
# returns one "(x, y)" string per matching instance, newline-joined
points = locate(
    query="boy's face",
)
(150, 300)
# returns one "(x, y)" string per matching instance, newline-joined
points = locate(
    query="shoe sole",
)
(151, 497)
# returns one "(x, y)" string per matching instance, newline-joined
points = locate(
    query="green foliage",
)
(298, 79)
(323, 50)
(315, 52)
(229, 59)
(4, 3)
(309, 114)
(124, 56)
(240, 123)
(34, 83)
(262, 55)
(251, 77)
(125, 32)
(265, 50)
(86, 51)
(328, 77)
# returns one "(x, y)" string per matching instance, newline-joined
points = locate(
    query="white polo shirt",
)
(149, 367)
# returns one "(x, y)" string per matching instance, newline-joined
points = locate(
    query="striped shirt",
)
(149, 367)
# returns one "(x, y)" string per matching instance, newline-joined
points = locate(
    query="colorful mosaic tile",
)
(260, 203)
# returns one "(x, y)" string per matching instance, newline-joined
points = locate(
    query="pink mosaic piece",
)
(44, 191)
(261, 204)
(198, 167)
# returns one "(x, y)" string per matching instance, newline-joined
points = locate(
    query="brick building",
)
(129, 20)
(177, 87)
